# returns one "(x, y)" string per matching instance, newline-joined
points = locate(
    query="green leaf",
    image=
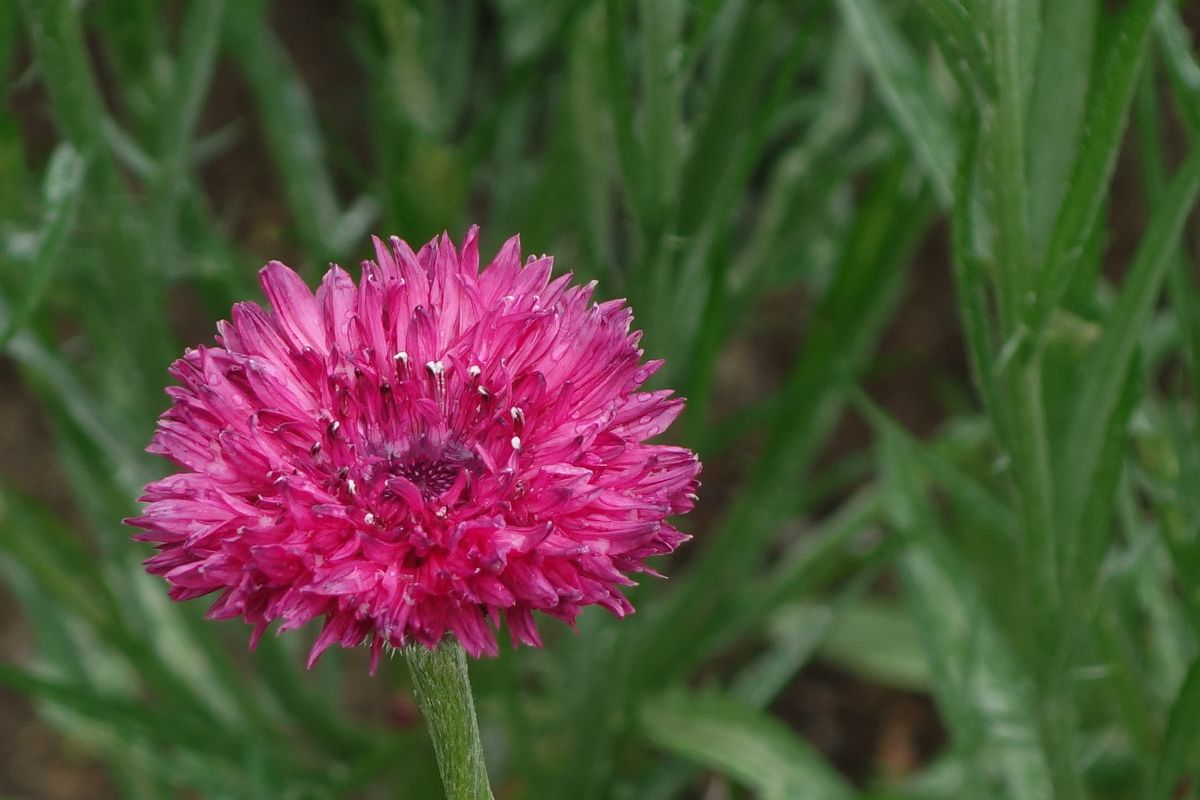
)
(63, 393)
(1084, 553)
(201, 30)
(797, 629)
(660, 26)
(985, 510)
(843, 332)
(795, 632)
(1109, 97)
(630, 153)
(962, 40)
(987, 700)
(1057, 108)
(119, 712)
(9, 31)
(57, 36)
(824, 555)
(1108, 365)
(906, 90)
(63, 187)
(969, 278)
(295, 142)
(142, 340)
(943, 779)
(1004, 153)
(588, 139)
(748, 746)
(1175, 43)
(1183, 732)
(880, 642)
(717, 176)
(49, 552)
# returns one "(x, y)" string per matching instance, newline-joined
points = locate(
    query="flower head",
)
(423, 453)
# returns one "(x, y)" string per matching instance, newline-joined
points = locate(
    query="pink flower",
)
(420, 454)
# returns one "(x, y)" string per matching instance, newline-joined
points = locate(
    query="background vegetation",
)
(1010, 525)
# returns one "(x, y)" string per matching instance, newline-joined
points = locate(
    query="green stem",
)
(443, 691)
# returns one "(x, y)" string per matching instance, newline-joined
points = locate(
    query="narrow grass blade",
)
(1003, 151)
(660, 27)
(588, 139)
(987, 700)
(120, 712)
(735, 97)
(879, 641)
(1174, 40)
(750, 747)
(1084, 554)
(290, 122)
(201, 29)
(796, 632)
(962, 38)
(56, 560)
(843, 545)
(817, 557)
(1057, 109)
(63, 187)
(969, 279)
(985, 509)
(60, 51)
(1148, 117)
(10, 26)
(630, 153)
(1179, 750)
(1108, 103)
(57, 37)
(844, 330)
(717, 177)
(1015, 397)
(63, 393)
(1109, 363)
(906, 90)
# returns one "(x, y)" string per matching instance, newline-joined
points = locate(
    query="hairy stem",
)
(443, 691)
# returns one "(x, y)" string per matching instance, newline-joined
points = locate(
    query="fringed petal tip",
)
(436, 449)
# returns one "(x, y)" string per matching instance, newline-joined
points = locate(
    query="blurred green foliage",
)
(704, 159)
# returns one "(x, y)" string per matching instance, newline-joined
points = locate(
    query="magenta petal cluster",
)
(430, 451)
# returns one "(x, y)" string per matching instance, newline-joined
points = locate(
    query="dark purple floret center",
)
(432, 477)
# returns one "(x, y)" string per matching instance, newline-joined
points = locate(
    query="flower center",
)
(431, 476)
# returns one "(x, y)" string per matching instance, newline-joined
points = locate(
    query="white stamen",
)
(518, 415)
(474, 371)
(369, 518)
(437, 371)
(350, 485)
(516, 442)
